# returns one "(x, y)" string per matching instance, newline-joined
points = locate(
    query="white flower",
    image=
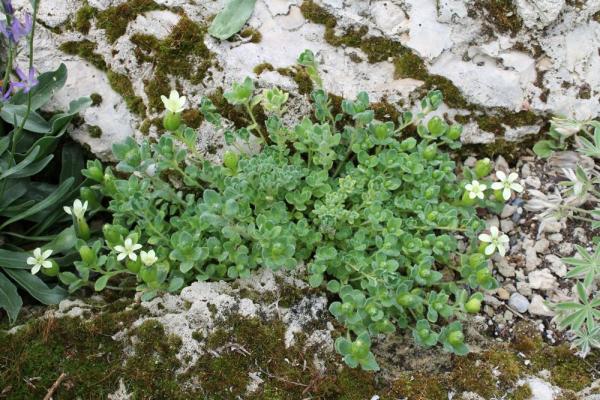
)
(39, 260)
(127, 250)
(78, 209)
(174, 103)
(475, 189)
(507, 184)
(496, 240)
(148, 258)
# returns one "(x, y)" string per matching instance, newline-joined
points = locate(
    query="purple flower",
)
(4, 96)
(27, 83)
(8, 8)
(17, 29)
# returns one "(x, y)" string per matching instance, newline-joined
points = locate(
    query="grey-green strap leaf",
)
(37, 287)
(9, 298)
(231, 19)
(42, 205)
(20, 166)
(14, 259)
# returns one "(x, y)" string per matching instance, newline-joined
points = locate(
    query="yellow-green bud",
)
(172, 121)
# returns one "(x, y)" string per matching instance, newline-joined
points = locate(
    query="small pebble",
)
(503, 294)
(518, 302)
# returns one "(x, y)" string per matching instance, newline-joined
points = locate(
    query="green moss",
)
(567, 370)
(252, 34)
(33, 358)
(86, 50)
(385, 111)
(181, 54)
(114, 20)
(151, 370)
(192, 117)
(420, 386)
(96, 99)
(317, 14)
(122, 85)
(523, 392)
(381, 49)
(470, 375)
(95, 131)
(145, 126)
(83, 17)
(260, 68)
(490, 123)
(502, 14)
(300, 76)
(250, 345)
(585, 91)
(155, 88)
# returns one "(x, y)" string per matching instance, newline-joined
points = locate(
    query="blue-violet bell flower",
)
(27, 82)
(17, 29)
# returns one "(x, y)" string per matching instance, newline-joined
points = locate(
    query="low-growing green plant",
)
(32, 196)
(374, 209)
(578, 198)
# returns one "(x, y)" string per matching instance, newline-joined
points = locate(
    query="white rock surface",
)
(542, 70)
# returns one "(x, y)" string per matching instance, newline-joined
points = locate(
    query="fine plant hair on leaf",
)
(581, 316)
(231, 19)
(373, 212)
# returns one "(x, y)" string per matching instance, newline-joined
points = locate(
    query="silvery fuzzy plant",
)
(374, 209)
(578, 199)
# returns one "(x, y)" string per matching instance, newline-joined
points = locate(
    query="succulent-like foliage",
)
(373, 212)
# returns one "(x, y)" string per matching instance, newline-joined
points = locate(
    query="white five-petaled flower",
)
(174, 103)
(78, 209)
(507, 184)
(496, 240)
(148, 258)
(475, 189)
(127, 250)
(39, 260)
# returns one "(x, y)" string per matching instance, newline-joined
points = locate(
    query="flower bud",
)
(53, 271)
(82, 229)
(111, 235)
(89, 195)
(230, 160)
(87, 255)
(455, 338)
(473, 306)
(454, 132)
(172, 121)
(134, 266)
(95, 173)
(483, 167)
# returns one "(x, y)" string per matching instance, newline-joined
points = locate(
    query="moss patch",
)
(260, 68)
(122, 85)
(86, 50)
(181, 54)
(114, 20)
(502, 15)
(95, 131)
(82, 22)
(96, 99)
(251, 34)
(33, 358)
